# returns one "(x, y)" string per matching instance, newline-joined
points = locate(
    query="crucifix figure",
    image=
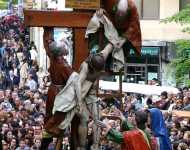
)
(79, 22)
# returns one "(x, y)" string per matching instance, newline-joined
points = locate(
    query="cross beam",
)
(76, 20)
(79, 22)
(49, 18)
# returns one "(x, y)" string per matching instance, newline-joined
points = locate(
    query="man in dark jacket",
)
(12, 80)
(7, 64)
(16, 71)
(26, 52)
(33, 72)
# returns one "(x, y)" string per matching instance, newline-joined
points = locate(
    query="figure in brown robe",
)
(60, 72)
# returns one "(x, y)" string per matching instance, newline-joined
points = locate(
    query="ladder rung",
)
(109, 95)
(110, 73)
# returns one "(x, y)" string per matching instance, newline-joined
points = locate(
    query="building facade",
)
(158, 47)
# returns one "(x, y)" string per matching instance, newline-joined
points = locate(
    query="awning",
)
(153, 51)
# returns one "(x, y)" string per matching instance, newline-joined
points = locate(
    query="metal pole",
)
(7, 7)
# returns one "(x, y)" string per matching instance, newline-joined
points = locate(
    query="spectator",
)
(7, 137)
(185, 89)
(179, 105)
(7, 64)
(105, 106)
(15, 60)
(104, 145)
(40, 75)
(4, 128)
(33, 72)
(2, 81)
(37, 146)
(46, 81)
(27, 54)
(169, 100)
(22, 145)
(155, 82)
(12, 80)
(33, 55)
(29, 140)
(13, 145)
(31, 83)
(24, 69)
(186, 103)
(21, 89)
(21, 133)
(6, 103)
(15, 128)
(20, 54)
(182, 146)
(51, 146)
(16, 71)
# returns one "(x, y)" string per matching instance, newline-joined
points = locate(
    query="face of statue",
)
(64, 51)
(121, 13)
(120, 17)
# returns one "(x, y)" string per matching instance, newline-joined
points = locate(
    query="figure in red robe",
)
(125, 13)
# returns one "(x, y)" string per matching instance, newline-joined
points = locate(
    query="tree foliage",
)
(179, 67)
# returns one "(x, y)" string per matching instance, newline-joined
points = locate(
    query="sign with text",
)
(83, 4)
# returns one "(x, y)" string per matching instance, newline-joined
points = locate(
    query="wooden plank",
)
(181, 114)
(100, 40)
(49, 18)
(80, 48)
(110, 73)
(120, 90)
(59, 141)
(109, 95)
(109, 117)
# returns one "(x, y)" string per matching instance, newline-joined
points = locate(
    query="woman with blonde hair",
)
(40, 75)
(187, 137)
(2, 81)
(20, 54)
(182, 146)
(24, 69)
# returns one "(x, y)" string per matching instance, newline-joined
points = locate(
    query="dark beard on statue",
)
(65, 53)
(118, 19)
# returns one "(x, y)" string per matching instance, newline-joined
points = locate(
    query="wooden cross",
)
(79, 22)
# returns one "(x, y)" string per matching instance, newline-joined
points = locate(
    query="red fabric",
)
(132, 23)
(134, 141)
(51, 144)
(153, 143)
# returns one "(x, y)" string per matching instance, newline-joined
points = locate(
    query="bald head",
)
(122, 6)
(121, 13)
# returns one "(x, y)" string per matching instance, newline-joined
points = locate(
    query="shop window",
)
(148, 9)
(153, 61)
(136, 60)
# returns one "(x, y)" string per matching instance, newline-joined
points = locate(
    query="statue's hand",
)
(121, 43)
(102, 124)
(100, 12)
(118, 113)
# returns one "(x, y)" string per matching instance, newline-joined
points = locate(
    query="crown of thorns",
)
(91, 57)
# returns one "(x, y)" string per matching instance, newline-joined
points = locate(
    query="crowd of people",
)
(23, 87)
(23, 92)
(178, 129)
